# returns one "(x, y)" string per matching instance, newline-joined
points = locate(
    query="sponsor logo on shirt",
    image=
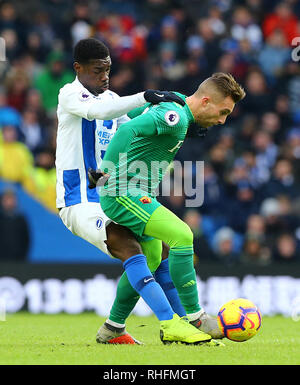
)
(99, 223)
(172, 118)
(83, 96)
(145, 199)
(104, 137)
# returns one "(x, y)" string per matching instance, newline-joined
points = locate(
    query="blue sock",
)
(162, 276)
(144, 283)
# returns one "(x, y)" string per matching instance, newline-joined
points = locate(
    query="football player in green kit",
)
(154, 135)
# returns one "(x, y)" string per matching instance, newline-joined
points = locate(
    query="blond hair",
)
(224, 84)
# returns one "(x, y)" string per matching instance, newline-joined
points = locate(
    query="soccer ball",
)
(239, 319)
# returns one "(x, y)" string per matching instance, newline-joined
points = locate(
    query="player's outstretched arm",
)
(122, 105)
(83, 104)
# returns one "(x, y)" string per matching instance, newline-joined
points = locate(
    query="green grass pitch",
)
(62, 339)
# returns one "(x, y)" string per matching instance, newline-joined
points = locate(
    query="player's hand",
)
(97, 178)
(155, 97)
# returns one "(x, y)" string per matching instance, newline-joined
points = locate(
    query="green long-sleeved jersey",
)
(141, 150)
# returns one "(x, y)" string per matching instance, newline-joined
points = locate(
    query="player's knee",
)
(188, 236)
(121, 243)
(185, 236)
(153, 254)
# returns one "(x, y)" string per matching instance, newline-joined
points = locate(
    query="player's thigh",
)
(87, 221)
(165, 225)
(121, 242)
(132, 211)
(152, 249)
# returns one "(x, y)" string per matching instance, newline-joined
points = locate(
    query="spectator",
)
(34, 103)
(45, 29)
(172, 67)
(32, 132)
(271, 123)
(254, 251)
(8, 16)
(282, 181)
(244, 27)
(81, 25)
(223, 246)
(248, 126)
(123, 81)
(274, 55)
(12, 49)
(202, 249)
(258, 98)
(281, 19)
(212, 49)
(245, 203)
(43, 177)
(282, 107)
(291, 150)
(175, 202)
(289, 84)
(274, 221)
(238, 173)
(256, 225)
(256, 175)
(9, 20)
(16, 160)
(266, 151)
(286, 249)
(219, 158)
(216, 20)
(52, 79)
(8, 115)
(288, 213)
(17, 84)
(35, 47)
(127, 41)
(195, 72)
(227, 141)
(14, 230)
(214, 193)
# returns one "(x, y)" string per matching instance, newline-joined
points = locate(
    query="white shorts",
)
(87, 221)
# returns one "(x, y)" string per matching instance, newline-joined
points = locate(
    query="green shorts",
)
(130, 211)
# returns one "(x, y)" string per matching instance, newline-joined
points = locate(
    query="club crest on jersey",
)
(83, 96)
(99, 223)
(172, 118)
(145, 199)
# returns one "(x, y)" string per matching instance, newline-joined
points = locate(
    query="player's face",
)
(94, 75)
(215, 112)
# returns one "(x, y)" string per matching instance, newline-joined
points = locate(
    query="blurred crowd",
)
(251, 209)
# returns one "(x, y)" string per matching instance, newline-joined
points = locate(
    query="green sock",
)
(183, 275)
(166, 226)
(127, 297)
(125, 301)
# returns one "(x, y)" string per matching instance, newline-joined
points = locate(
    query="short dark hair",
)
(90, 49)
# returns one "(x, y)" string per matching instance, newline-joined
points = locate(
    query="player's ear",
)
(77, 67)
(205, 100)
